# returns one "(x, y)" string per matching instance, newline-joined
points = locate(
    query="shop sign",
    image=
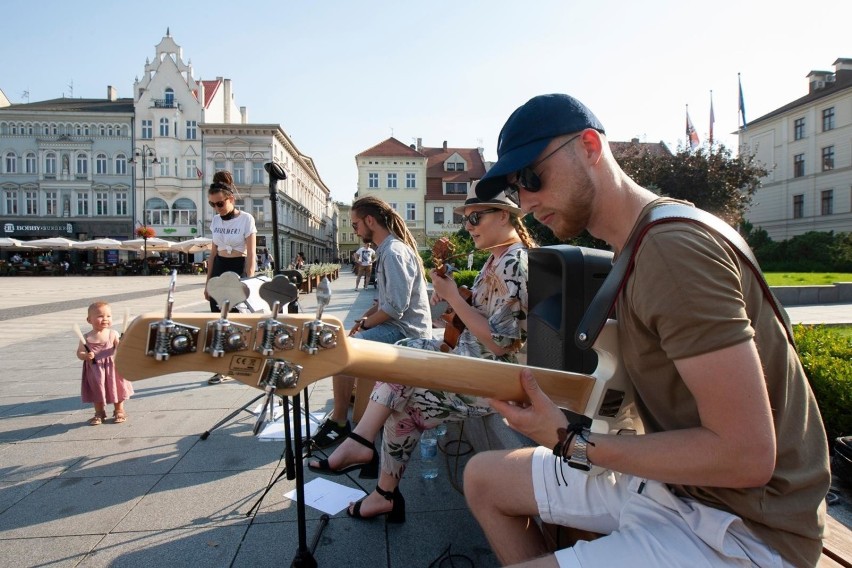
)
(33, 227)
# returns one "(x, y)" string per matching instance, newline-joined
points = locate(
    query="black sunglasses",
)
(217, 204)
(527, 178)
(474, 217)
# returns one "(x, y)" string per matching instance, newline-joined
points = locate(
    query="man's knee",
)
(479, 478)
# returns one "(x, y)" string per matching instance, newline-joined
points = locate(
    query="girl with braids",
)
(402, 307)
(495, 328)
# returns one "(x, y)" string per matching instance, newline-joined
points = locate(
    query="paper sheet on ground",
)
(275, 430)
(328, 496)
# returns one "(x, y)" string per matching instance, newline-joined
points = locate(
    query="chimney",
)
(243, 115)
(112, 94)
(227, 101)
(419, 144)
(445, 145)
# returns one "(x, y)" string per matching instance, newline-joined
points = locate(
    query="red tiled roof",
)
(390, 148)
(210, 88)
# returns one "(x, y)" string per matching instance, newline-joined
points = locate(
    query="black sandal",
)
(369, 470)
(395, 515)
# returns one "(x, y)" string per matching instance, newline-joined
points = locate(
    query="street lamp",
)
(145, 153)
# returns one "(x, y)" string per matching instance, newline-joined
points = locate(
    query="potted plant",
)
(145, 232)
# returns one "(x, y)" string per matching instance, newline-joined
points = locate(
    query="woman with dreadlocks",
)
(401, 310)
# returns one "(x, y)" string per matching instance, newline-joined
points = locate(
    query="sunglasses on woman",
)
(475, 217)
(217, 204)
(527, 178)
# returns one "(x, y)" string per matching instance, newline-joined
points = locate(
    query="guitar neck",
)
(466, 375)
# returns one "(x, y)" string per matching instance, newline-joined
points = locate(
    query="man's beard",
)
(574, 215)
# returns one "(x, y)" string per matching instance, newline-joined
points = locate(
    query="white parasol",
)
(196, 244)
(154, 243)
(52, 243)
(98, 244)
(10, 243)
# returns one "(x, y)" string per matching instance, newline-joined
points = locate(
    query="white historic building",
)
(807, 147)
(306, 214)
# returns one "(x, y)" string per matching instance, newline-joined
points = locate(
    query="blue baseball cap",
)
(528, 132)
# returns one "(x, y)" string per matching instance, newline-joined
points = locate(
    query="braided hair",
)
(523, 232)
(388, 218)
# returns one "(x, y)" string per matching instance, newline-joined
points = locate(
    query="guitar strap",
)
(604, 301)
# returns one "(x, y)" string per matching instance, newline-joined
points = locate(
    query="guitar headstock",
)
(300, 347)
(442, 251)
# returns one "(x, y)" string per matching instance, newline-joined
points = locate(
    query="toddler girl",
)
(102, 385)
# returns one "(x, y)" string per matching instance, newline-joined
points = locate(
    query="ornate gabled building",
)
(807, 147)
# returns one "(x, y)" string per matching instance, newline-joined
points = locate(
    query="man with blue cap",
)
(732, 467)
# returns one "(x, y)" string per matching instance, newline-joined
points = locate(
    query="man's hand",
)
(537, 419)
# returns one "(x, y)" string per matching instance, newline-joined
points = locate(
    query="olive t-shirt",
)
(689, 294)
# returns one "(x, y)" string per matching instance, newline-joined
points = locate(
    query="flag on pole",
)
(691, 134)
(712, 118)
(742, 103)
(199, 173)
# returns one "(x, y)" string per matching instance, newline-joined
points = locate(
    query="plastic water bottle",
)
(429, 454)
(441, 430)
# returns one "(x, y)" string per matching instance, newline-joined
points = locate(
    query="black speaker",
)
(563, 281)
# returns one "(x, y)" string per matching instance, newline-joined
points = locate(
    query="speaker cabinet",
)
(563, 281)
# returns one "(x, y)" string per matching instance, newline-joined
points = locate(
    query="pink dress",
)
(101, 383)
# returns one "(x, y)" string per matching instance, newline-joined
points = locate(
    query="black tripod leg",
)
(304, 556)
(245, 407)
(289, 465)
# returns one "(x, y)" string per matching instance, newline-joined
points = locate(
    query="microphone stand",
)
(304, 556)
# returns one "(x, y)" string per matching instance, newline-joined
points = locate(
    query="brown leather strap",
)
(602, 304)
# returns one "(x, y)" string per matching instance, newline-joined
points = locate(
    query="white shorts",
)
(645, 523)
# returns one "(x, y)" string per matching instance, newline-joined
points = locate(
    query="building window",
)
(121, 165)
(82, 165)
(219, 166)
(11, 199)
(410, 180)
(31, 202)
(121, 203)
(184, 212)
(239, 173)
(394, 206)
(410, 211)
(101, 203)
(191, 129)
(170, 97)
(438, 216)
(455, 166)
(164, 127)
(457, 218)
(83, 204)
(30, 163)
(11, 163)
(828, 158)
(101, 164)
(158, 212)
(828, 119)
(50, 164)
(798, 206)
(827, 202)
(257, 209)
(147, 129)
(391, 181)
(164, 166)
(257, 172)
(798, 165)
(455, 188)
(191, 169)
(373, 180)
(799, 128)
(50, 204)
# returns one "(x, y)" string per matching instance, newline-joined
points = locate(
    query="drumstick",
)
(126, 319)
(79, 334)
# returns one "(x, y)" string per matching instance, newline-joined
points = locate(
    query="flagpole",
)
(712, 118)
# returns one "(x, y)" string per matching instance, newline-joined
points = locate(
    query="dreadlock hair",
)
(523, 232)
(385, 215)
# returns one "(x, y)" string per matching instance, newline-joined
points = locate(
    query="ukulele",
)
(442, 251)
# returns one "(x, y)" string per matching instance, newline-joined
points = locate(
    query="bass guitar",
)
(285, 353)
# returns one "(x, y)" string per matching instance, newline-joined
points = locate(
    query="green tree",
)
(710, 177)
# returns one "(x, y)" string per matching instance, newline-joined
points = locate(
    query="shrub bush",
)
(827, 359)
(465, 277)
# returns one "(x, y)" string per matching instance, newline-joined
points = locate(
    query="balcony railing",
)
(164, 103)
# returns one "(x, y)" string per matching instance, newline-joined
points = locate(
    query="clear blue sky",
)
(340, 76)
